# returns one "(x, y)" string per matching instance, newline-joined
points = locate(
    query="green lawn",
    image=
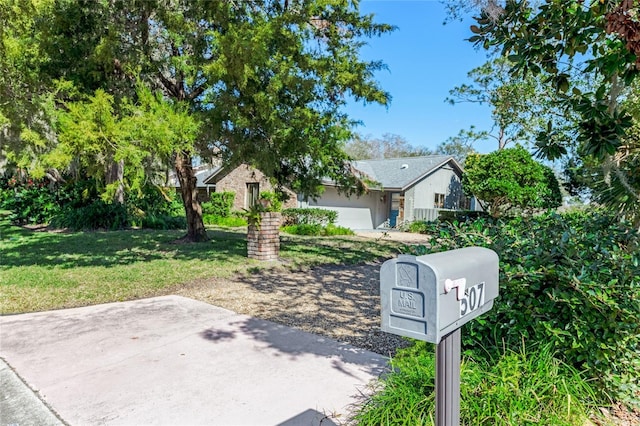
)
(52, 270)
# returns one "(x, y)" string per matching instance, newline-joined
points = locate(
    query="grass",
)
(47, 270)
(526, 387)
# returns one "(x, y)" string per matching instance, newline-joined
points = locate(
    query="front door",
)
(396, 215)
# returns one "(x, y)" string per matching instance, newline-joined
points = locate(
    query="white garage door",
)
(354, 212)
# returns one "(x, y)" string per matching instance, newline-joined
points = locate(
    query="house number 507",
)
(473, 298)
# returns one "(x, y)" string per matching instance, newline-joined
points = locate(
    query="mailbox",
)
(427, 297)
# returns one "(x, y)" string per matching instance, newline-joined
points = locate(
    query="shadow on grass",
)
(22, 247)
(343, 250)
(25, 247)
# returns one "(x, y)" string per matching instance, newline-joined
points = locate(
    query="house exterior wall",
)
(365, 212)
(409, 203)
(236, 181)
(444, 180)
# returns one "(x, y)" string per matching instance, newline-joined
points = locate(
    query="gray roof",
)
(400, 173)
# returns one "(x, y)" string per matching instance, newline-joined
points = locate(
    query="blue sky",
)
(426, 59)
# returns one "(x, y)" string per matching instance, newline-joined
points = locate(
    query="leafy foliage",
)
(97, 215)
(272, 201)
(510, 180)
(309, 216)
(565, 44)
(570, 280)
(317, 230)
(219, 204)
(142, 84)
(520, 105)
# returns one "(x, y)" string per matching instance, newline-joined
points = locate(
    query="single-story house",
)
(246, 182)
(408, 189)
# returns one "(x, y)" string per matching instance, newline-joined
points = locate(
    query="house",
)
(408, 189)
(246, 182)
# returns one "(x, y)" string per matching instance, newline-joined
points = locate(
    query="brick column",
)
(263, 242)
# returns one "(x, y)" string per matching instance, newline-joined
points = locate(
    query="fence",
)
(428, 215)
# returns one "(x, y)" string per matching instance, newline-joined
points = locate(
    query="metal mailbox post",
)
(429, 298)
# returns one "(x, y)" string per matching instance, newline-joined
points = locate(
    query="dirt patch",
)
(403, 237)
(337, 301)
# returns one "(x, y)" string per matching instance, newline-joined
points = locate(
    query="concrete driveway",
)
(174, 361)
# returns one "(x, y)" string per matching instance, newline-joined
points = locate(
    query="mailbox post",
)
(429, 298)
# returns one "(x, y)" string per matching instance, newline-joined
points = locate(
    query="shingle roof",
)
(401, 172)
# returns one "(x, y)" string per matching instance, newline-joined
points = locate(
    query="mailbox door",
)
(408, 298)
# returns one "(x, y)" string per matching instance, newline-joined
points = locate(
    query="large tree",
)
(266, 80)
(552, 38)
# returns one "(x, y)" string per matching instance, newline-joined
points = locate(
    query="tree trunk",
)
(195, 226)
(115, 174)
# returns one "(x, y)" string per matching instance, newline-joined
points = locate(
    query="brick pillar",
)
(263, 242)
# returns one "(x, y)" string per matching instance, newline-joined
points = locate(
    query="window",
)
(253, 194)
(438, 201)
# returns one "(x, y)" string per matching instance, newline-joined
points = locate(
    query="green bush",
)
(275, 201)
(37, 201)
(317, 230)
(152, 221)
(309, 216)
(460, 215)
(226, 221)
(523, 387)
(419, 227)
(29, 200)
(153, 200)
(331, 229)
(98, 215)
(220, 204)
(572, 280)
(303, 229)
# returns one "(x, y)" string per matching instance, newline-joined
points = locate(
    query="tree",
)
(461, 145)
(612, 186)
(599, 38)
(520, 105)
(510, 180)
(389, 146)
(265, 81)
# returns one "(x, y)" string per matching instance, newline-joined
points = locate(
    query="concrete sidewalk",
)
(173, 361)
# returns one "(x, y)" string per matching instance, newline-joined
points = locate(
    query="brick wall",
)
(263, 242)
(236, 181)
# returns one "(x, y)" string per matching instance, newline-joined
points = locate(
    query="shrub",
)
(274, 200)
(29, 200)
(303, 229)
(153, 221)
(220, 204)
(153, 200)
(230, 221)
(98, 215)
(572, 280)
(309, 216)
(37, 201)
(336, 230)
(317, 230)
(460, 215)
